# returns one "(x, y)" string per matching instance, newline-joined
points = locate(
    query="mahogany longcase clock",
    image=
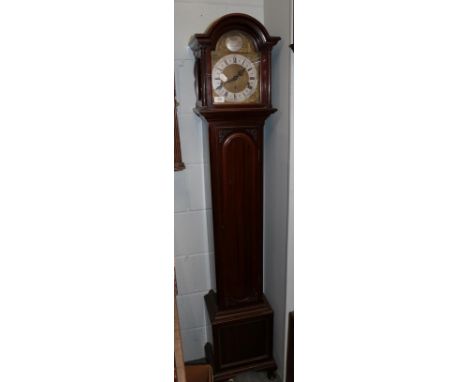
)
(233, 76)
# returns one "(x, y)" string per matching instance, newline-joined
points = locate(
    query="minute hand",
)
(234, 78)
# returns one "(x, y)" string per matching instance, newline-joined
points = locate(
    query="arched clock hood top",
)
(239, 21)
(203, 45)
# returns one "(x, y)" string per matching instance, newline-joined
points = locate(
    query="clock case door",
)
(237, 192)
(240, 315)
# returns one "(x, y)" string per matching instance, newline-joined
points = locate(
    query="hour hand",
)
(223, 77)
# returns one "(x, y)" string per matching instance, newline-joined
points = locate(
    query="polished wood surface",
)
(236, 159)
(226, 375)
(239, 170)
(242, 339)
(238, 213)
(178, 352)
(178, 163)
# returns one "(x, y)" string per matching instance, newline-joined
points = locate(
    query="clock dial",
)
(235, 72)
(234, 78)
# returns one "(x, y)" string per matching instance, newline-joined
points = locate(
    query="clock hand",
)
(241, 72)
(223, 77)
(234, 78)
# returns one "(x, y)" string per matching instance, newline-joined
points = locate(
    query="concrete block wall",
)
(192, 201)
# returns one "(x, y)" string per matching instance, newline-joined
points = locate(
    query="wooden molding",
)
(178, 352)
(178, 164)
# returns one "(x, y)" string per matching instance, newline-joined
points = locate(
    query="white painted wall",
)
(277, 185)
(192, 205)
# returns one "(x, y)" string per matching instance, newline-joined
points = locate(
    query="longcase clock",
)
(233, 77)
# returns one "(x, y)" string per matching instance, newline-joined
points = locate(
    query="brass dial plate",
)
(235, 73)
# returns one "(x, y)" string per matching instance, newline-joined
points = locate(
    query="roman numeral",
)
(235, 60)
(252, 78)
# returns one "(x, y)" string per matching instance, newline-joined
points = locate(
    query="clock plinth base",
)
(242, 339)
(223, 376)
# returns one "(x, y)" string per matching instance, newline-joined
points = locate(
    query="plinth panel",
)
(243, 342)
(242, 338)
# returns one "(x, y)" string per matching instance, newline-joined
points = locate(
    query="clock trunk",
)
(236, 163)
